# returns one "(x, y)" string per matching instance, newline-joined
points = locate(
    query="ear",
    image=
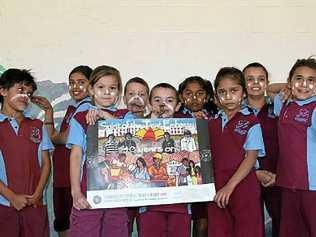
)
(177, 107)
(181, 99)
(124, 100)
(90, 90)
(3, 92)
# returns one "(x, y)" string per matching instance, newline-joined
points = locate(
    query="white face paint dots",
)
(303, 83)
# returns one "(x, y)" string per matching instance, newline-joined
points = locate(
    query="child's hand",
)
(200, 115)
(35, 199)
(42, 102)
(286, 93)
(94, 115)
(222, 196)
(19, 201)
(266, 178)
(80, 202)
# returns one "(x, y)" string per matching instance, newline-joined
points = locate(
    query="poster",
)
(143, 162)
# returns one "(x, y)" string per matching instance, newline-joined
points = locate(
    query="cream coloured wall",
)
(160, 40)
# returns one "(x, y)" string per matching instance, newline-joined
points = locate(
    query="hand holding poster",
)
(148, 162)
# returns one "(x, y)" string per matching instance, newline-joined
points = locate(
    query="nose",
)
(304, 83)
(107, 92)
(228, 96)
(256, 81)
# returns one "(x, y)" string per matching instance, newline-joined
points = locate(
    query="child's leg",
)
(86, 223)
(62, 208)
(34, 221)
(199, 217)
(153, 224)
(272, 200)
(309, 210)
(132, 214)
(179, 225)
(292, 224)
(219, 221)
(115, 223)
(245, 207)
(9, 221)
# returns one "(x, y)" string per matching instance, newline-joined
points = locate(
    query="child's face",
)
(303, 83)
(136, 98)
(164, 102)
(78, 85)
(229, 94)
(105, 91)
(17, 97)
(194, 97)
(256, 81)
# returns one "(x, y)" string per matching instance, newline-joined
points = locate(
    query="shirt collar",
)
(303, 102)
(4, 117)
(86, 99)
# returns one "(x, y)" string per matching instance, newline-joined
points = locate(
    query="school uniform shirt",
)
(21, 149)
(61, 153)
(269, 125)
(297, 139)
(230, 139)
(77, 136)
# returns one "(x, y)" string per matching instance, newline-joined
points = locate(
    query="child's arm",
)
(276, 88)
(223, 195)
(55, 136)
(18, 201)
(36, 197)
(94, 115)
(79, 200)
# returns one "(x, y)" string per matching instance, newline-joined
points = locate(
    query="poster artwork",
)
(148, 162)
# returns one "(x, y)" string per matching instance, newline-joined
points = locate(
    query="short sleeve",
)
(46, 143)
(76, 135)
(254, 140)
(314, 120)
(277, 105)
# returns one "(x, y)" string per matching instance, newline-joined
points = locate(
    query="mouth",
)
(256, 88)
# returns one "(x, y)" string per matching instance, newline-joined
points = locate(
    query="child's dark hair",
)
(166, 86)
(137, 80)
(84, 70)
(232, 73)
(257, 65)
(305, 62)
(102, 71)
(14, 76)
(196, 79)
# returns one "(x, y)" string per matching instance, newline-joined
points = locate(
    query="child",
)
(78, 83)
(24, 160)
(196, 95)
(136, 92)
(164, 220)
(256, 76)
(296, 165)
(236, 141)
(105, 87)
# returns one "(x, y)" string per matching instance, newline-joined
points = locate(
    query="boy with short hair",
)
(24, 159)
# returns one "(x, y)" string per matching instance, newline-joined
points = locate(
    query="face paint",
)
(136, 99)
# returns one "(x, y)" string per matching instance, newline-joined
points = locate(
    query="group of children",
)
(262, 153)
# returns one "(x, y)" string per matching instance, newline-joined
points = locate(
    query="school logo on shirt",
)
(35, 135)
(242, 127)
(302, 116)
(97, 199)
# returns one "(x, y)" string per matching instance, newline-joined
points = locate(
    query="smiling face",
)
(17, 97)
(78, 85)
(229, 94)
(256, 81)
(164, 102)
(194, 97)
(136, 98)
(105, 91)
(303, 83)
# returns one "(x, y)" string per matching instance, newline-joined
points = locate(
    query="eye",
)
(221, 92)
(311, 80)
(100, 87)
(157, 100)
(250, 79)
(262, 79)
(113, 88)
(298, 78)
(171, 100)
(188, 94)
(200, 93)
